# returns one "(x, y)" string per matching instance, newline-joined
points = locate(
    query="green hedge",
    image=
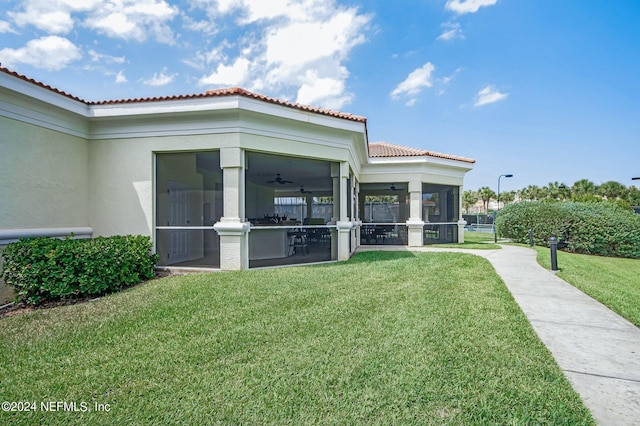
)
(602, 228)
(48, 269)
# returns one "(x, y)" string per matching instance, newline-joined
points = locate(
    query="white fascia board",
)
(24, 108)
(443, 177)
(292, 113)
(172, 106)
(77, 127)
(445, 171)
(421, 160)
(32, 90)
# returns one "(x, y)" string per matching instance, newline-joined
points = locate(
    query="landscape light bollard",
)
(553, 245)
(531, 237)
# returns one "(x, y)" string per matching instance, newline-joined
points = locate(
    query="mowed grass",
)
(385, 338)
(615, 282)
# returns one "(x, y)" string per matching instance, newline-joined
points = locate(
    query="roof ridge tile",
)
(388, 149)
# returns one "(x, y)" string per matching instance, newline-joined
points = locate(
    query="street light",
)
(636, 178)
(495, 231)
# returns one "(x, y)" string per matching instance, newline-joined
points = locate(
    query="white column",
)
(343, 223)
(233, 231)
(356, 213)
(415, 223)
(461, 222)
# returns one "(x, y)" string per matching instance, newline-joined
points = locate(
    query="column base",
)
(461, 225)
(415, 233)
(344, 235)
(234, 245)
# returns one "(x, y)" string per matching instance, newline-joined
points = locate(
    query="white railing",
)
(8, 236)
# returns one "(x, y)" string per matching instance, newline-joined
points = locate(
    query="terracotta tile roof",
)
(234, 91)
(385, 149)
(37, 83)
(242, 92)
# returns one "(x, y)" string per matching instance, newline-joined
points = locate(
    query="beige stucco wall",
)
(121, 179)
(44, 180)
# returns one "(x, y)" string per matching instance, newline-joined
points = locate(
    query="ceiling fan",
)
(303, 191)
(279, 180)
(393, 187)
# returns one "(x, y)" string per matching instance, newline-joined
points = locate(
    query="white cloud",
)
(50, 53)
(99, 57)
(216, 55)
(125, 19)
(51, 16)
(134, 19)
(288, 46)
(414, 83)
(203, 26)
(5, 27)
(452, 31)
(467, 6)
(327, 91)
(489, 95)
(161, 79)
(444, 81)
(52, 22)
(233, 75)
(411, 102)
(120, 78)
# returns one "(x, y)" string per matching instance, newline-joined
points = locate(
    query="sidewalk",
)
(597, 350)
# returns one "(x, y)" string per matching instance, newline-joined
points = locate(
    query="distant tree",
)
(613, 190)
(507, 197)
(584, 190)
(557, 191)
(532, 193)
(633, 196)
(469, 198)
(486, 194)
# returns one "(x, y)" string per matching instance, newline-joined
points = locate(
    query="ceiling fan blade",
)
(279, 180)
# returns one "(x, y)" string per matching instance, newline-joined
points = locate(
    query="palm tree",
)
(507, 197)
(557, 191)
(531, 192)
(584, 190)
(469, 198)
(486, 194)
(613, 190)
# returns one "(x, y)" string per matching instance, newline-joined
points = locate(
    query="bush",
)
(602, 228)
(49, 269)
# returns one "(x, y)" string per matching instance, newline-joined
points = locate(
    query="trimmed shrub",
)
(602, 228)
(49, 269)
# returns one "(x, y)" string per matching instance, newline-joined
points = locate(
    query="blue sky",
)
(548, 90)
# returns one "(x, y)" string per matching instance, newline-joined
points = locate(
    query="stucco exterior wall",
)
(44, 179)
(121, 179)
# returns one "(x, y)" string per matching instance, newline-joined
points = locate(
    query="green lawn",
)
(385, 338)
(614, 282)
(474, 240)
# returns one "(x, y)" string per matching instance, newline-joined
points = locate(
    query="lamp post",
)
(636, 178)
(495, 231)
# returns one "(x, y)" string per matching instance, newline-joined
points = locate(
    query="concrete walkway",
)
(597, 350)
